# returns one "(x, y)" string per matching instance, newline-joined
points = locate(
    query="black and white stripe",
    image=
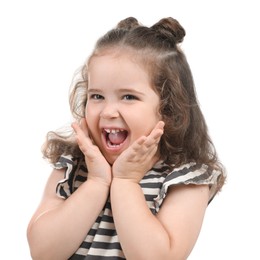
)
(102, 240)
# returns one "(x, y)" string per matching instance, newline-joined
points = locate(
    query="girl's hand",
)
(98, 168)
(135, 161)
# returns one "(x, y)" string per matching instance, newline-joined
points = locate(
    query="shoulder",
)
(74, 175)
(188, 174)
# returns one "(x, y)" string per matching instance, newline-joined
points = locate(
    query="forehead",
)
(118, 65)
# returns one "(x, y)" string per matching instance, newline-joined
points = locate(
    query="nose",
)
(109, 111)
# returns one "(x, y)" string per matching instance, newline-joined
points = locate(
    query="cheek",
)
(144, 115)
(143, 124)
(90, 111)
(92, 117)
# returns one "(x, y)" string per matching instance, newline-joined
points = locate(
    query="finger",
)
(147, 145)
(76, 127)
(154, 138)
(81, 129)
(160, 125)
(144, 147)
(158, 129)
(84, 126)
(82, 135)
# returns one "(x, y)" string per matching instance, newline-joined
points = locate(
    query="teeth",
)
(113, 131)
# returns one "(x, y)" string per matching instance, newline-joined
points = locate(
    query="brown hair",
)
(157, 48)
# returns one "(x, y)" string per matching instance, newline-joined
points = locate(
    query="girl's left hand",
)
(139, 158)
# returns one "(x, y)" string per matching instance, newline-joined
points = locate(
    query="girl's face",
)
(121, 106)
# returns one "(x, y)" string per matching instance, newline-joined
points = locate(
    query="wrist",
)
(124, 181)
(98, 182)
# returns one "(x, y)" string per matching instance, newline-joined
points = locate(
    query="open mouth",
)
(115, 137)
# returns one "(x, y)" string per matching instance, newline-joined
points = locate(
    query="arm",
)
(173, 232)
(59, 226)
(169, 235)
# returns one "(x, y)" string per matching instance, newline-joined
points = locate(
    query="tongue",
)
(117, 138)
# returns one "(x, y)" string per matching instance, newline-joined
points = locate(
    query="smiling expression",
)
(122, 105)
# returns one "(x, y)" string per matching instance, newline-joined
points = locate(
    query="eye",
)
(96, 96)
(129, 97)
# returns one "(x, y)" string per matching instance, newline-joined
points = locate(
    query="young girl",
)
(135, 177)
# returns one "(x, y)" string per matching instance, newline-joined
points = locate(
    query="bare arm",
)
(173, 232)
(169, 235)
(59, 226)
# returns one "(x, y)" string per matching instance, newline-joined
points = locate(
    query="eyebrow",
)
(129, 90)
(122, 90)
(94, 90)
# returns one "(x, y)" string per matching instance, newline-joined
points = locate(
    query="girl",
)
(135, 177)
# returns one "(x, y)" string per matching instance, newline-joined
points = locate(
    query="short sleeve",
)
(75, 174)
(191, 173)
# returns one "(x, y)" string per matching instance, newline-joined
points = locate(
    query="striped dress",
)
(102, 241)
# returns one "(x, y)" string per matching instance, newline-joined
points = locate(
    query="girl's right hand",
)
(98, 167)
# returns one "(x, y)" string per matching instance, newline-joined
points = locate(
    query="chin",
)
(111, 159)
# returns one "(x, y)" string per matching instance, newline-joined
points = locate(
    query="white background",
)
(43, 43)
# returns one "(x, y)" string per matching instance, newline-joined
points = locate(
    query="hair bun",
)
(170, 28)
(128, 23)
